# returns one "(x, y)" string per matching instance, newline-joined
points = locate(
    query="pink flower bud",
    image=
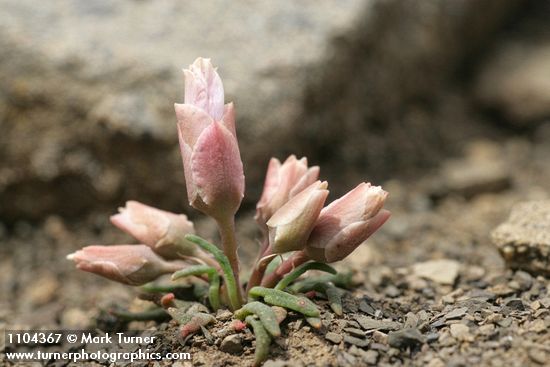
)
(282, 182)
(163, 231)
(208, 142)
(128, 264)
(291, 225)
(346, 223)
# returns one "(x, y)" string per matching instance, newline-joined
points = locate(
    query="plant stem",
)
(296, 259)
(229, 244)
(259, 269)
(233, 288)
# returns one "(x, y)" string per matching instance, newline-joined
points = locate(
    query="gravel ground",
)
(430, 289)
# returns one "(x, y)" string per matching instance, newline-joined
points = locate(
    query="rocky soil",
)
(430, 289)
(444, 104)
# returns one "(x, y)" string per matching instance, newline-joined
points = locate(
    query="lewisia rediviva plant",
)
(299, 232)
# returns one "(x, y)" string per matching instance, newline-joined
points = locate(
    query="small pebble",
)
(366, 307)
(405, 338)
(461, 332)
(456, 313)
(370, 357)
(432, 337)
(232, 344)
(358, 333)
(380, 337)
(224, 315)
(538, 356)
(334, 337)
(361, 343)
(515, 304)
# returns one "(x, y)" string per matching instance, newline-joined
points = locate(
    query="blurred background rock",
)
(444, 102)
(368, 89)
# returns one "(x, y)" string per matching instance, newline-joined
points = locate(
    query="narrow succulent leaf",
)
(180, 315)
(334, 296)
(220, 257)
(155, 314)
(273, 265)
(341, 280)
(168, 300)
(197, 307)
(295, 274)
(193, 270)
(263, 340)
(214, 291)
(158, 288)
(315, 322)
(197, 320)
(213, 279)
(190, 320)
(279, 298)
(265, 313)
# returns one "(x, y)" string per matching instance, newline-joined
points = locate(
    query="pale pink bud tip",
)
(291, 225)
(128, 264)
(163, 231)
(347, 222)
(208, 142)
(204, 88)
(282, 182)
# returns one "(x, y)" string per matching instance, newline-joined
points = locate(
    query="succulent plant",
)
(299, 232)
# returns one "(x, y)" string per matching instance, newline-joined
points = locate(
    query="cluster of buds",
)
(162, 250)
(291, 214)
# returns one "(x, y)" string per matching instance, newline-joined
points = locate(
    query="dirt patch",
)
(430, 288)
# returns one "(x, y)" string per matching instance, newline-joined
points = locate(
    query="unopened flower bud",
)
(163, 231)
(128, 264)
(291, 225)
(346, 223)
(282, 182)
(208, 142)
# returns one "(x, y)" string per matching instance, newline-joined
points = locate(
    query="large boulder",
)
(514, 81)
(87, 90)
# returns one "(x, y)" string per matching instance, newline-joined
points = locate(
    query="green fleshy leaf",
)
(263, 340)
(315, 322)
(279, 298)
(334, 296)
(158, 288)
(273, 264)
(190, 320)
(333, 293)
(341, 280)
(155, 314)
(213, 278)
(292, 276)
(229, 277)
(264, 312)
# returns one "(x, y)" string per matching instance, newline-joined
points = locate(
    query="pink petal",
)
(291, 225)
(191, 122)
(350, 207)
(310, 177)
(217, 169)
(352, 236)
(186, 153)
(289, 174)
(271, 182)
(228, 119)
